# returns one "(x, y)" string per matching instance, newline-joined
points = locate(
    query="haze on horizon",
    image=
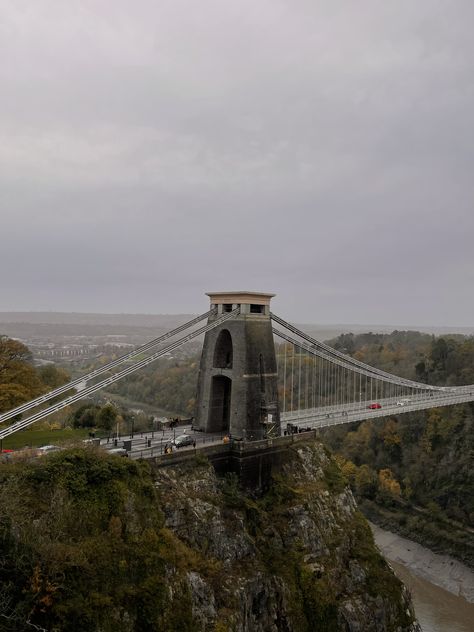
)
(151, 152)
(9, 320)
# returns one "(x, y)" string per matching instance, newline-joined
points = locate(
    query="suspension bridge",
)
(260, 377)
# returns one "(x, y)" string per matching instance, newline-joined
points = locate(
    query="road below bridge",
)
(152, 444)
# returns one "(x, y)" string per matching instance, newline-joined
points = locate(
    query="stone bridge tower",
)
(237, 386)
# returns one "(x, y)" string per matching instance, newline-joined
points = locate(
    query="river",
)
(442, 588)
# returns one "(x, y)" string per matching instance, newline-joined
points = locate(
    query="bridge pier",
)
(237, 385)
(253, 464)
(252, 461)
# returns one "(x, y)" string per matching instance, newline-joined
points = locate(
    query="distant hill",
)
(79, 318)
(327, 332)
(12, 323)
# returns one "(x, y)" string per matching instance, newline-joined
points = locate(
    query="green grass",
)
(36, 438)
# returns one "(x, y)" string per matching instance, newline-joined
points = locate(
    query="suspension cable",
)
(23, 423)
(334, 355)
(103, 369)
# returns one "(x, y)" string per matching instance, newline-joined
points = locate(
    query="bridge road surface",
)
(149, 444)
(360, 411)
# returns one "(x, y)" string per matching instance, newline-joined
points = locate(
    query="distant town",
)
(75, 338)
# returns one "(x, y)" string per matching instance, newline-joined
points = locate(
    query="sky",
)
(155, 150)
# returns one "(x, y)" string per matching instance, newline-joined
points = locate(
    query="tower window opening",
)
(227, 307)
(257, 309)
(223, 351)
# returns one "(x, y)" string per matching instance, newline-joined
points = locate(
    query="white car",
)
(118, 452)
(403, 402)
(46, 449)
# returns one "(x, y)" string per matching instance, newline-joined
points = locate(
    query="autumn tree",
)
(53, 376)
(19, 381)
(389, 487)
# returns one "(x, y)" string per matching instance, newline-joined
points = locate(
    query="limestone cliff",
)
(93, 543)
(300, 557)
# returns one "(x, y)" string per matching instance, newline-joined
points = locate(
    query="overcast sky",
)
(151, 151)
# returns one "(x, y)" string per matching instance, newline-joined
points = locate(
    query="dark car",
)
(375, 405)
(183, 440)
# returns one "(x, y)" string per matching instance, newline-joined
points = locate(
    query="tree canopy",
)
(20, 381)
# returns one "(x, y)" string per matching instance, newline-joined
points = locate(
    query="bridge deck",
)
(152, 445)
(336, 415)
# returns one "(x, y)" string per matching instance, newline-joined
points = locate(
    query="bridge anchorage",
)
(238, 378)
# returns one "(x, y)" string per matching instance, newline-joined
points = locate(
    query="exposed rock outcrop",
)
(299, 557)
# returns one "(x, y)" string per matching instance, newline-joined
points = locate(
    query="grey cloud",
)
(152, 151)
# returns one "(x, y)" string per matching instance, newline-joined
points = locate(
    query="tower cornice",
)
(242, 297)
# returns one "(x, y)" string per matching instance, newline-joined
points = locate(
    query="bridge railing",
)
(218, 447)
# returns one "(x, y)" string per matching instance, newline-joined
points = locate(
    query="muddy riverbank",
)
(441, 570)
(442, 588)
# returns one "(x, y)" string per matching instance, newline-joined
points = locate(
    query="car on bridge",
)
(183, 440)
(118, 452)
(374, 406)
(403, 402)
(48, 449)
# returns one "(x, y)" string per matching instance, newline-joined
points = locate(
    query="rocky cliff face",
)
(93, 543)
(300, 557)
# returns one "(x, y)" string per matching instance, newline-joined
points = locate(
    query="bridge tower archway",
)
(220, 401)
(224, 351)
(237, 385)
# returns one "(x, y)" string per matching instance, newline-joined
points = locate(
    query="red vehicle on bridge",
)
(375, 405)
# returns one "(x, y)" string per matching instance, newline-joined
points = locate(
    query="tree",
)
(53, 376)
(19, 381)
(388, 484)
(391, 438)
(439, 353)
(85, 416)
(420, 370)
(12, 351)
(365, 481)
(107, 417)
